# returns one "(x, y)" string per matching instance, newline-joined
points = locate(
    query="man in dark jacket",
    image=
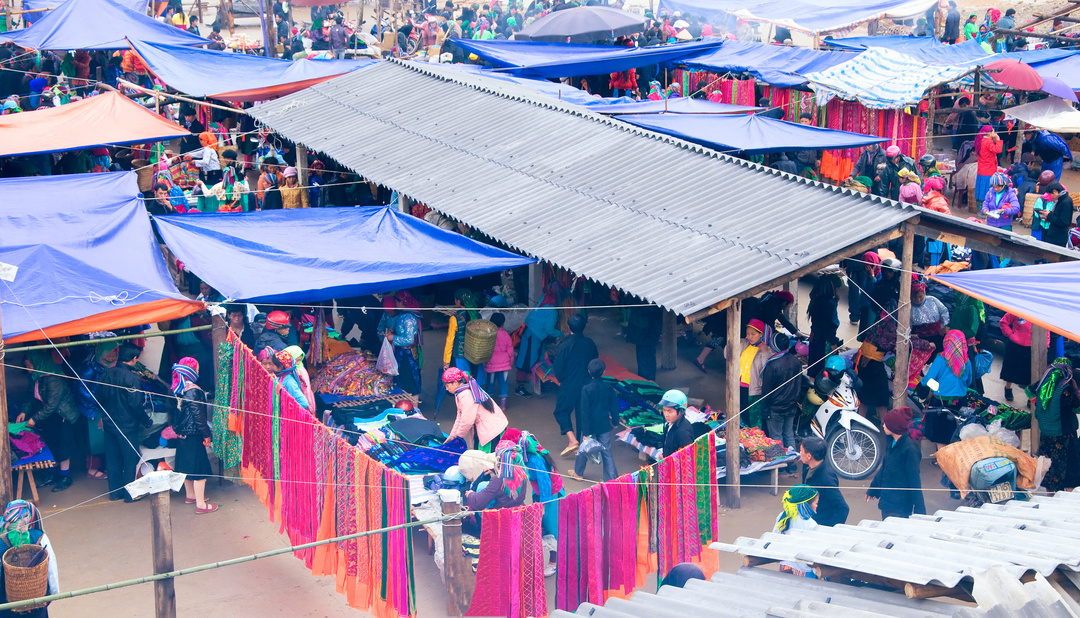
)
(952, 24)
(643, 330)
(782, 390)
(1060, 218)
(866, 164)
(598, 413)
(571, 368)
(678, 432)
(897, 485)
(832, 508)
(277, 330)
(124, 402)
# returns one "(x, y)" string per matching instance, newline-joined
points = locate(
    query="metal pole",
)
(161, 528)
(733, 425)
(5, 444)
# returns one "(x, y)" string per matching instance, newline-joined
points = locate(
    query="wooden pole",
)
(266, 10)
(667, 342)
(5, 444)
(732, 479)
(302, 165)
(903, 330)
(161, 522)
(1038, 368)
(792, 311)
(459, 584)
(931, 106)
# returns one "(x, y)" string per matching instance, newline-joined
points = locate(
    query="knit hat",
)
(999, 179)
(277, 319)
(1046, 177)
(757, 325)
(796, 500)
(289, 172)
(784, 295)
(892, 151)
(897, 421)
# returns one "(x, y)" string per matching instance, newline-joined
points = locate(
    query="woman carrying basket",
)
(22, 526)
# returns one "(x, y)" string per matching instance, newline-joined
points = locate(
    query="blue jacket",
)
(539, 325)
(949, 385)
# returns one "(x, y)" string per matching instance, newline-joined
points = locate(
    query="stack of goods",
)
(756, 445)
(990, 411)
(639, 402)
(353, 375)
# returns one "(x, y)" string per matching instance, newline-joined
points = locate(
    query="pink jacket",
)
(503, 356)
(471, 414)
(1018, 331)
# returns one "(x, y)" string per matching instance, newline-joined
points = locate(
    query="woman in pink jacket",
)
(1016, 367)
(497, 369)
(475, 410)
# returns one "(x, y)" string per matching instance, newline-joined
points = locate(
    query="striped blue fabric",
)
(881, 78)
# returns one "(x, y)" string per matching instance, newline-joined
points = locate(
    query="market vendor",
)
(489, 489)
(1057, 401)
(56, 419)
(476, 410)
(678, 432)
(951, 369)
(302, 376)
(401, 326)
(929, 316)
(547, 484)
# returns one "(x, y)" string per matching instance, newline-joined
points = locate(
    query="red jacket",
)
(1019, 332)
(988, 151)
(626, 80)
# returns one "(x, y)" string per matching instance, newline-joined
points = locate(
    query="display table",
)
(42, 460)
(772, 467)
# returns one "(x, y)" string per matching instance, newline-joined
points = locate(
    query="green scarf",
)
(1054, 383)
(793, 499)
(43, 364)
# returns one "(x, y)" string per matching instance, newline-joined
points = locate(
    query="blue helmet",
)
(835, 363)
(673, 399)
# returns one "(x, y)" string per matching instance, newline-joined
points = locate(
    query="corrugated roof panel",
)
(672, 222)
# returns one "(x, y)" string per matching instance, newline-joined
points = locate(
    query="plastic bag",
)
(1007, 436)
(972, 430)
(591, 447)
(387, 364)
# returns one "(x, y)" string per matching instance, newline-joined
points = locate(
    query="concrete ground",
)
(99, 542)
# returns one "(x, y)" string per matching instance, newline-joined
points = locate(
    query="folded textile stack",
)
(638, 401)
(756, 444)
(990, 410)
(353, 375)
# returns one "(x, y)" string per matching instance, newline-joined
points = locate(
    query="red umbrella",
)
(1014, 74)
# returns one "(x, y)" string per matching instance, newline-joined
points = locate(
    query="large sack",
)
(957, 458)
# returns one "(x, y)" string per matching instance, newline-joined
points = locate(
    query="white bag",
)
(387, 363)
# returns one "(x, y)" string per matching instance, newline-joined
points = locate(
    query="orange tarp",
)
(134, 315)
(108, 118)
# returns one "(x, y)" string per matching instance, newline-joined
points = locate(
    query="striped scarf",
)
(184, 373)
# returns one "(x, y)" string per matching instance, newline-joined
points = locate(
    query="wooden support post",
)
(302, 173)
(198, 8)
(931, 107)
(792, 311)
(219, 330)
(1038, 368)
(731, 406)
(459, 582)
(161, 522)
(536, 283)
(5, 444)
(668, 345)
(903, 330)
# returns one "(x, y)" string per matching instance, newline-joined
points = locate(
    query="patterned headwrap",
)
(510, 466)
(872, 262)
(266, 353)
(453, 374)
(796, 502)
(20, 517)
(1000, 179)
(284, 359)
(955, 351)
(918, 286)
(183, 373)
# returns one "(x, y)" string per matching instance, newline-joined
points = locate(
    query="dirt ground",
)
(99, 542)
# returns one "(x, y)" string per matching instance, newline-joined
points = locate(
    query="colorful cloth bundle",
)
(510, 569)
(638, 401)
(756, 445)
(990, 410)
(352, 375)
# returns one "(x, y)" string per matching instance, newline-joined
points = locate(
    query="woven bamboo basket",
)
(1029, 208)
(23, 582)
(145, 174)
(479, 341)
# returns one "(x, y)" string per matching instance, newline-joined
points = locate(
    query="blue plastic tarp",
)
(1066, 69)
(805, 15)
(87, 259)
(1044, 294)
(35, 8)
(681, 105)
(903, 44)
(314, 254)
(749, 134)
(96, 24)
(541, 59)
(236, 77)
(773, 64)
(555, 90)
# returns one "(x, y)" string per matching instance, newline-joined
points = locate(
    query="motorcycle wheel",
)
(865, 456)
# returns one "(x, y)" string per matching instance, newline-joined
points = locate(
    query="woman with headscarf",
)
(104, 357)
(22, 526)
(910, 189)
(302, 376)
(933, 198)
(207, 161)
(547, 483)
(55, 420)
(929, 316)
(824, 321)
(539, 327)
(281, 364)
(406, 337)
(799, 507)
(987, 148)
(1000, 206)
(951, 369)
(476, 410)
(1057, 400)
(495, 481)
(969, 317)
(191, 424)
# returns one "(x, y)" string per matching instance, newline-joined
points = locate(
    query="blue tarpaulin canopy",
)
(1043, 294)
(86, 257)
(1066, 69)
(555, 90)
(931, 51)
(96, 24)
(313, 254)
(903, 44)
(774, 64)
(805, 15)
(681, 105)
(36, 8)
(236, 77)
(749, 134)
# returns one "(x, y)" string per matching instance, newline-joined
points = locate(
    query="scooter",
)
(853, 445)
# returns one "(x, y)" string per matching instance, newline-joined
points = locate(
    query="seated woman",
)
(22, 526)
(799, 504)
(493, 482)
(951, 369)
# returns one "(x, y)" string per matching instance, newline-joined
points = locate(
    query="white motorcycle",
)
(854, 445)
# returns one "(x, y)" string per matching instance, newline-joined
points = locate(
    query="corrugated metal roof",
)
(675, 223)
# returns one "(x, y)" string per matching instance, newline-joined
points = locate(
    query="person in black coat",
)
(598, 413)
(897, 485)
(678, 432)
(121, 395)
(643, 330)
(832, 508)
(1060, 218)
(571, 367)
(192, 426)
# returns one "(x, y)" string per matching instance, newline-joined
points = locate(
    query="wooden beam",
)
(903, 330)
(161, 528)
(1026, 34)
(668, 342)
(940, 229)
(1038, 368)
(1065, 18)
(731, 406)
(929, 591)
(456, 569)
(837, 573)
(860, 247)
(752, 561)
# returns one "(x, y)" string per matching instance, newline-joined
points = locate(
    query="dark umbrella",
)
(586, 24)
